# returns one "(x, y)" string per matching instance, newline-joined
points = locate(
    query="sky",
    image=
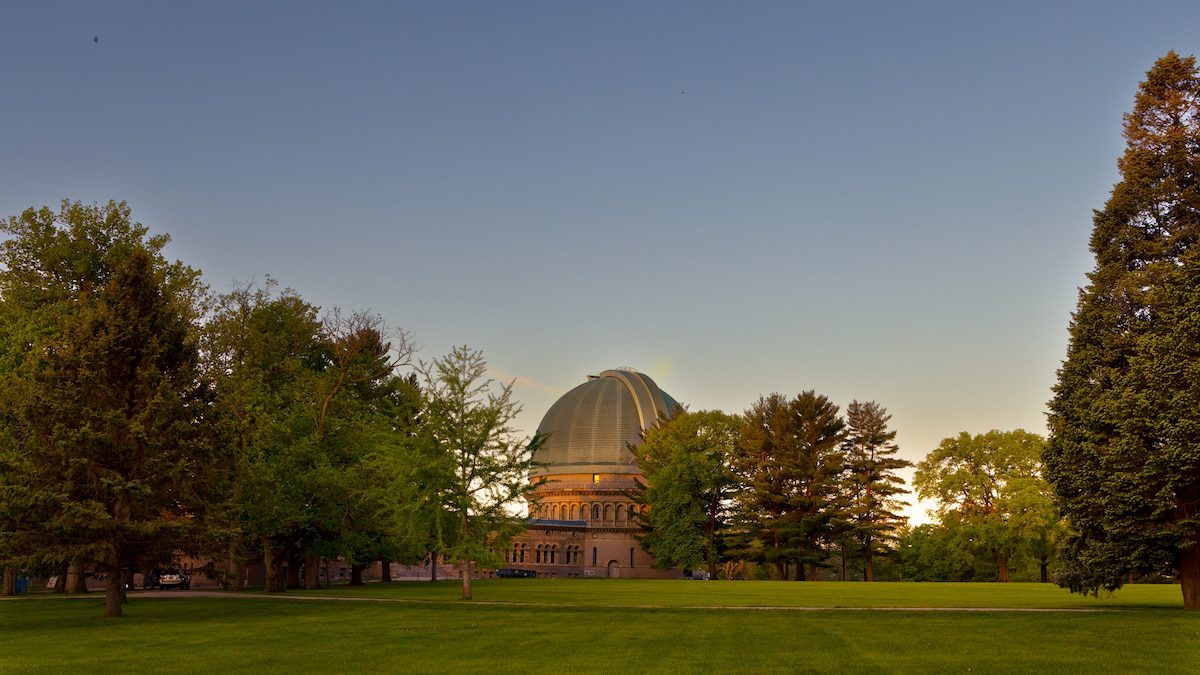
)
(873, 200)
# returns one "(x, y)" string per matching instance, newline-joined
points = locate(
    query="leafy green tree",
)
(871, 486)
(789, 459)
(1124, 456)
(316, 412)
(979, 481)
(264, 350)
(934, 552)
(468, 424)
(686, 462)
(112, 461)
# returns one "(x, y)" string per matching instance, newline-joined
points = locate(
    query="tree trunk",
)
(76, 578)
(112, 588)
(60, 584)
(1002, 568)
(845, 575)
(10, 580)
(868, 564)
(467, 569)
(235, 574)
(781, 570)
(800, 572)
(312, 571)
(275, 581)
(356, 571)
(385, 571)
(1044, 565)
(293, 571)
(1189, 575)
(712, 567)
(433, 566)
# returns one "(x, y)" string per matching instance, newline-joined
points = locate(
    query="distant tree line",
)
(143, 417)
(791, 486)
(791, 489)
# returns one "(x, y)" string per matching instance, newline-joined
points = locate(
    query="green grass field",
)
(523, 625)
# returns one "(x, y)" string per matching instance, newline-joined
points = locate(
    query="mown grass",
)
(438, 634)
(828, 594)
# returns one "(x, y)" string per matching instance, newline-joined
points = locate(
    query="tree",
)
(934, 552)
(314, 411)
(1124, 456)
(790, 460)
(690, 485)
(871, 484)
(979, 481)
(468, 423)
(111, 462)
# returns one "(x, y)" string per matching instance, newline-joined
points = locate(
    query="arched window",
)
(574, 512)
(523, 547)
(554, 554)
(595, 512)
(632, 513)
(620, 514)
(608, 513)
(631, 557)
(593, 556)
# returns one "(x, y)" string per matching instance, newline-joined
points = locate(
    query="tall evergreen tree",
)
(872, 487)
(790, 460)
(111, 462)
(1124, 451)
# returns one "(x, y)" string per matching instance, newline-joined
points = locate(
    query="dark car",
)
(167, 578)
(510, 573)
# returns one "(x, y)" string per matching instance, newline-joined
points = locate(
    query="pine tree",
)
(871, 483)
(790, 460)
(1124, 456)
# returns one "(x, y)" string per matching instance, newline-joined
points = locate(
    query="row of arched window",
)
(608, 513)
(544, 554)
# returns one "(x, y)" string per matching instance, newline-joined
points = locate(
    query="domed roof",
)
(591, 426)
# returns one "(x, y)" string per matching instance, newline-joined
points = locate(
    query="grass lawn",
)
(830, 594)
(607, 626)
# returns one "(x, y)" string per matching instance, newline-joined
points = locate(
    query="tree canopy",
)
(686, 462)
(1124, 456)
(989, 486)
(106, 408)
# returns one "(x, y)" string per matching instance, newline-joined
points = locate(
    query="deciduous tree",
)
(468, 424)
(982, 484)
(686, 462)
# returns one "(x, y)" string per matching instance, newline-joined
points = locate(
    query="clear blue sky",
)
(876, 200)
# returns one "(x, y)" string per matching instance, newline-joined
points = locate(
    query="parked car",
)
(511, 573)
(167, 578)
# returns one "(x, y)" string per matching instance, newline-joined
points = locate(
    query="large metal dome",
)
(591, 426)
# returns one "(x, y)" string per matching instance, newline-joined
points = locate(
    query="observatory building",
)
(584, 518)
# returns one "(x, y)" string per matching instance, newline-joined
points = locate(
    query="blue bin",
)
(22, 584)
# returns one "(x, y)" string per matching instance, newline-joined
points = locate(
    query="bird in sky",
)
(96, 38)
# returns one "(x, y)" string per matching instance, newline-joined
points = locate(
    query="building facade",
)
(584, 517)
